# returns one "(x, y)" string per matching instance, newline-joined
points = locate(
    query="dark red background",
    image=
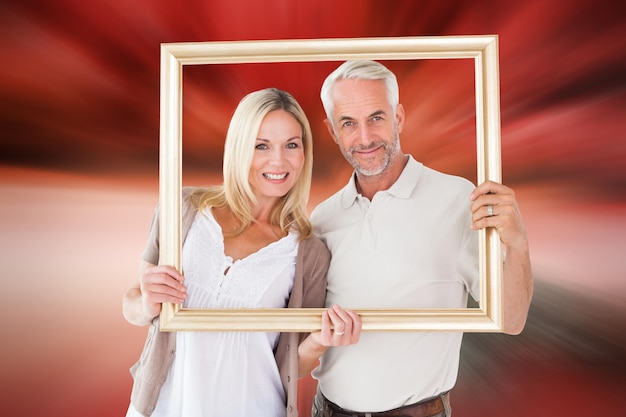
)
(79, 120)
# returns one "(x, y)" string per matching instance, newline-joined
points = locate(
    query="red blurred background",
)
(79, 117)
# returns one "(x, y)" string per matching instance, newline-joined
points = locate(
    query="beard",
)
(390, 149)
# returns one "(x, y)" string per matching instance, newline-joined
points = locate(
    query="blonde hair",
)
(236, 193)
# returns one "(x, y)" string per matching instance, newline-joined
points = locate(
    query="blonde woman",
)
(248, 243)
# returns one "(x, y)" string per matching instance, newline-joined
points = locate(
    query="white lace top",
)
(228, 374)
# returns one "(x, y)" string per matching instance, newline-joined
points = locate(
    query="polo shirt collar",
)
(402, 188)
(408, 179)
(349, 194)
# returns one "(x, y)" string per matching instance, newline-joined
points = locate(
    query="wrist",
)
(311, 347)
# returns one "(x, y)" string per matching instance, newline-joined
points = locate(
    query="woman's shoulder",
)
(188, 193)
(313, 244)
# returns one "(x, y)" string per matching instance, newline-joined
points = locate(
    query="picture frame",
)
(483, 49)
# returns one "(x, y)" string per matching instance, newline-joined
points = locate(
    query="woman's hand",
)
(161, 284)
(155, 285)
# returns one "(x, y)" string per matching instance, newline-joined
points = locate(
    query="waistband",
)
(427, 408)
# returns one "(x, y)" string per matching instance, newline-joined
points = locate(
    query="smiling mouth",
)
(274, 176)
(369, 150)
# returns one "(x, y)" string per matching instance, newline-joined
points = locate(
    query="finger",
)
(342, 323)
(326, 331)
(486, 216)
(357, 323)
(163, 276)
(355, 327)
(488, 187)
(154, 296)
(491, 193)
(503, 217)
(162, 284)
(156, 293)
(490, 206)
(166, 270)
(352, 326)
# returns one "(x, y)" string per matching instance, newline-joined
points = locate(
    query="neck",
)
(369, 185)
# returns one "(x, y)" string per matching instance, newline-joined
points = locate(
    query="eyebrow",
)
(376, 113)
(288, 140)
(342, 118)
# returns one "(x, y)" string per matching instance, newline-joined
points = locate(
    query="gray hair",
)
(360, 70)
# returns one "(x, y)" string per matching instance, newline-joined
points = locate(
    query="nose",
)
(277, 157)
(364, 135)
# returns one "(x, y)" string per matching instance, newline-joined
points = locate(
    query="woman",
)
(248, 244)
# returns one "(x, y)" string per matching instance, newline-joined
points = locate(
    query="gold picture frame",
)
(487, 317)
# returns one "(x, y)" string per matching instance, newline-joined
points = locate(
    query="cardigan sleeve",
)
(309, 291)
(315, 266)
(150, 372)
(151, 252)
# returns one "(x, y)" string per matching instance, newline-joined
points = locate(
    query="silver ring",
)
(489, 211)
(339, 333)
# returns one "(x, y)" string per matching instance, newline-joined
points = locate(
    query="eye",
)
(261, 146)
(347, 123)
(293, 145)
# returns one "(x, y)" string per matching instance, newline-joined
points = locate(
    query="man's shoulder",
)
(452, 180)
(329, 205)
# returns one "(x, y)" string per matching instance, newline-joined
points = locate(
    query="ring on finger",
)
(338, 333)
(489, 210)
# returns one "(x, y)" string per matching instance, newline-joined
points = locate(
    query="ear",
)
(400, 117)
(331, 130)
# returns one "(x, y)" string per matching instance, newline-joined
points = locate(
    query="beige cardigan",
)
(309, 291)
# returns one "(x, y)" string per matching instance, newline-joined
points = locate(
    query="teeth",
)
(274, 176)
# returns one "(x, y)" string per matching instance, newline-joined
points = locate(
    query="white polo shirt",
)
(410, 247)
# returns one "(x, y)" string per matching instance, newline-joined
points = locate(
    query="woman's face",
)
(278, 156)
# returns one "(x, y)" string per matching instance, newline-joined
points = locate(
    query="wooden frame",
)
(482, 49)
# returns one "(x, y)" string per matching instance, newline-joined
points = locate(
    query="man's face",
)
(364, 125)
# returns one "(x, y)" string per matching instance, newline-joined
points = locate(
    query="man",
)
(402, 235)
